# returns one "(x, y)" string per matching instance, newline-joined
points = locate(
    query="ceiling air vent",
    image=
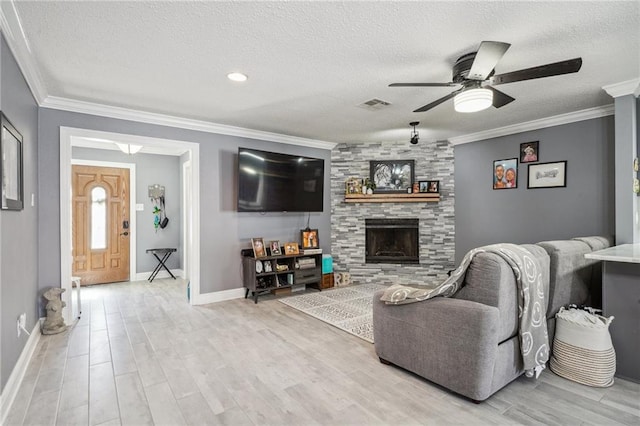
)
(374, 104)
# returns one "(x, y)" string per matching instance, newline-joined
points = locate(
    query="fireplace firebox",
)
(392, 241)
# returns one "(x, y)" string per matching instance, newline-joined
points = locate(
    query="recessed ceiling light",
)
(237, 76)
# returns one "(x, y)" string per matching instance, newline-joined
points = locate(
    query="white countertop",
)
(629, 253)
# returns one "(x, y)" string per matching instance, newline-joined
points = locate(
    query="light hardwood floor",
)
(142, 355)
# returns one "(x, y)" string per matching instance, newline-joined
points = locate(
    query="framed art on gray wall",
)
(529, 152)
(505, 173)
(392, 176)
(11, 166)
(548, 175)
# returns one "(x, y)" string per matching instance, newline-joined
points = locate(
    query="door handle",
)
(125, 233)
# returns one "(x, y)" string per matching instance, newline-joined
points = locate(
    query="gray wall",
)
(627, 231)
(223, 231)
(19, 229)
(151, 169)
(521, 215)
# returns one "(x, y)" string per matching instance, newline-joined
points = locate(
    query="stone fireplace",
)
(434, 238)
(392, 241)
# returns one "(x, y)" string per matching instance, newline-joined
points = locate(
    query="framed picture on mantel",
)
(392, 176)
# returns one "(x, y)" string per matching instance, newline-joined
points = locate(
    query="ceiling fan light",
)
(473, 100)
(129, 148)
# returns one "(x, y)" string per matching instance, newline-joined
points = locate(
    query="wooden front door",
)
(100, 224)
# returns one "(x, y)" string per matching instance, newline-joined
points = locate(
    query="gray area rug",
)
(348, 308)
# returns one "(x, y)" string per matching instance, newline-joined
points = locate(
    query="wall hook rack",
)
(156, 191)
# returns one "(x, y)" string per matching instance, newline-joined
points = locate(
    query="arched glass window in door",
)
(98, 218)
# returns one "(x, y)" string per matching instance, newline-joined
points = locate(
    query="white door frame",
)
(132, 205)
(187, 229)
(68, 135)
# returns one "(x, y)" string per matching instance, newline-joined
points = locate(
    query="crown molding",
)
(557, 120)
(629, 87)
(11, 27)
(19, 46)
(65, 104)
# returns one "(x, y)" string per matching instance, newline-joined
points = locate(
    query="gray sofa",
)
(469, 343)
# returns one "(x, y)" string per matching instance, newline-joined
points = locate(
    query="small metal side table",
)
(165, 253)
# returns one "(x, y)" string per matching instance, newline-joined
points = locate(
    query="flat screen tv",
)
(274, 182)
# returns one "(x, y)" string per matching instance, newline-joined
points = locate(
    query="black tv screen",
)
(274, 182)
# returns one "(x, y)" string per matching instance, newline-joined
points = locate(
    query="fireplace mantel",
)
(392, 198)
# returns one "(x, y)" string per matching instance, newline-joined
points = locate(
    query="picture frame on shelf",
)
(353, 186)
(423, 185)
(258, 248)
(291, 248)
(505, 173)
(309, 238)
(529, 152)
(547, 175)
(392, 176)
(11, 168)
(274, 248)
(433, 186)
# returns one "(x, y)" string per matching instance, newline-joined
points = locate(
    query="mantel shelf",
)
(392, 198)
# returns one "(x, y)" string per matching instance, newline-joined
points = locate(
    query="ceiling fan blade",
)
(438, 102)
(423, 84)
(488, 55)
(549, 70)
(500, 99)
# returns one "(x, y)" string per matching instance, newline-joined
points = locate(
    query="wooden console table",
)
(281, 273)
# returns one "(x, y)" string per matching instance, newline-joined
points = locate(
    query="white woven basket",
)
(582, 348)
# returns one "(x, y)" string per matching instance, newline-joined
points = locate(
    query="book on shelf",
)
(306, 262)
(312, 251)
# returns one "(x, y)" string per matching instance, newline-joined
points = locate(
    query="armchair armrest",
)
(452, 342)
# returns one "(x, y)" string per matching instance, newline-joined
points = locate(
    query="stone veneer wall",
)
(433, 161)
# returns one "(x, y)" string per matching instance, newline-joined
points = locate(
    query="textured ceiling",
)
(311, 63)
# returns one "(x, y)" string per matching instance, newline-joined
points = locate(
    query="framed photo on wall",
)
(309, 238)
(392, 176)
(547, 175)
(11, 166)
(529, 152)
(505, 173)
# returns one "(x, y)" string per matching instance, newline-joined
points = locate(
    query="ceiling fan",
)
(476, 74)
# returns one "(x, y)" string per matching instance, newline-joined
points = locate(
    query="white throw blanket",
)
(534, 340)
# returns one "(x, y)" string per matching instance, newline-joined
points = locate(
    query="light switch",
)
(33, 199)
(140, 207)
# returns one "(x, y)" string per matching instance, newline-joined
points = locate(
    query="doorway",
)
(187, 151)
(103, 231)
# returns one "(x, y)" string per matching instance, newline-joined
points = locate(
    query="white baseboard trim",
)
(15, 379)
(141, 276)
(220, 296)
